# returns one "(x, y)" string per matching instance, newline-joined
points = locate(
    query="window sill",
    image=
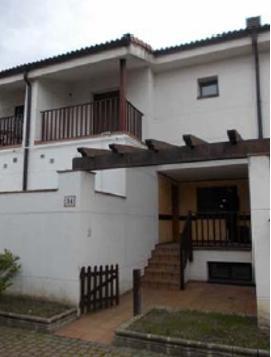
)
(208, 96)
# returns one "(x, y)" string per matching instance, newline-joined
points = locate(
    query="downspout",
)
(27, 132)
(252, 25)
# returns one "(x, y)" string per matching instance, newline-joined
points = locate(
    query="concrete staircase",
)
(163, 269)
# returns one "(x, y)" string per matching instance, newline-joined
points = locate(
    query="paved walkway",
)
(100, 326)
(23, 343)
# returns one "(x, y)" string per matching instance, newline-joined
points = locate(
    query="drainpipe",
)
(27, 132)
(252, 24)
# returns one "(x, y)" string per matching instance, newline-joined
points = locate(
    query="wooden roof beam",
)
(191, 141)
(124, 149)
(177, 155)
(91, 152)
(156, 145)
(234, 136)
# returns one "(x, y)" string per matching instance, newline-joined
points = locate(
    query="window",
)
(231, 273)
(208, 87)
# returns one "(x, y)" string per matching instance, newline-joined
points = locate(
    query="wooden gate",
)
(99, 287)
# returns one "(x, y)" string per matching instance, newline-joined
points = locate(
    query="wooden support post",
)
(122, 96)
(136, 292)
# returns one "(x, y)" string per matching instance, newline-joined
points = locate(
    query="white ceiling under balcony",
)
(94, 70)
(207, 171)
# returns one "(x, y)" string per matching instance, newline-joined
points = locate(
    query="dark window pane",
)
(208, 87)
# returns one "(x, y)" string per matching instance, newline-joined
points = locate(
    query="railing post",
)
(136, 292)
(190, 237)
(122, 95)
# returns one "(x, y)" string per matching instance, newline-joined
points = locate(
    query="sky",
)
(36, 29)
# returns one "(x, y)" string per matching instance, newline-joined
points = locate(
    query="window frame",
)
(205, 82)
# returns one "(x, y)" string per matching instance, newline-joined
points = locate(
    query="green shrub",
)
(9, 266)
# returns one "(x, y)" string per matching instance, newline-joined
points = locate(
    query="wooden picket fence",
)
(99, 287)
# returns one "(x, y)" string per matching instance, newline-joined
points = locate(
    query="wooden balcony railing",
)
(221, 229)
(11, 130)
(88, 119)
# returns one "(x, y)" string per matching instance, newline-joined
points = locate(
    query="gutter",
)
(27, 133)
(254, 40)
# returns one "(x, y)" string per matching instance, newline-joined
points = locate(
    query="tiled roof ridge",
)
(229, 35)
(126, 40)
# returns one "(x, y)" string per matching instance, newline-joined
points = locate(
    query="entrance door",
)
(18, 124)
(222, 200)
(217, 199)
(106, 112)
(19, 111)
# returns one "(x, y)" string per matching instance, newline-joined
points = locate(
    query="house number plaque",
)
(69, 201)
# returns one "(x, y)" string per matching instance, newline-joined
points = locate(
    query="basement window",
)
(207, 87)
(230, 273)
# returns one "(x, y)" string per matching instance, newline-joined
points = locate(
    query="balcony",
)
(11, 130)
(84, 120)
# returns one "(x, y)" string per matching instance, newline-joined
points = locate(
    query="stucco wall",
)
(46, 160)
(11, 169)
(259, 179)
(198, 269)
(140, 84)
(9, 99)
(53, 242)
(177, 110)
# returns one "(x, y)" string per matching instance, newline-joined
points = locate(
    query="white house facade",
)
(121, 93)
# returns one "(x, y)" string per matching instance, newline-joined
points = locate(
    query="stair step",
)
(172, 247)
(167, 253)
(162, 270)
(170, 265)
(164, 259)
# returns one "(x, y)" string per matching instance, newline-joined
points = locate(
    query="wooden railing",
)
(212, 230)
(186, 248)
(221, 229)
(89, 119)
(11, 130)
(133, 120)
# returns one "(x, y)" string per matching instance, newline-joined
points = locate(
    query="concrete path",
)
(100, 326)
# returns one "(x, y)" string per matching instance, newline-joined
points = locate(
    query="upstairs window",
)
(207, 87)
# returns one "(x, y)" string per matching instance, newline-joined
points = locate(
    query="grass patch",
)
(27, 305)
(230, 330)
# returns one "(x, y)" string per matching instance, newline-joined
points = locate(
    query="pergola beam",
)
(156, 145)
(175, 155)
(191, 141)
(124, 149)
(92, 152)
(234, 136)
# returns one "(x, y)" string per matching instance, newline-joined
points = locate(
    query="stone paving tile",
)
(100, 326)
(24, 343)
